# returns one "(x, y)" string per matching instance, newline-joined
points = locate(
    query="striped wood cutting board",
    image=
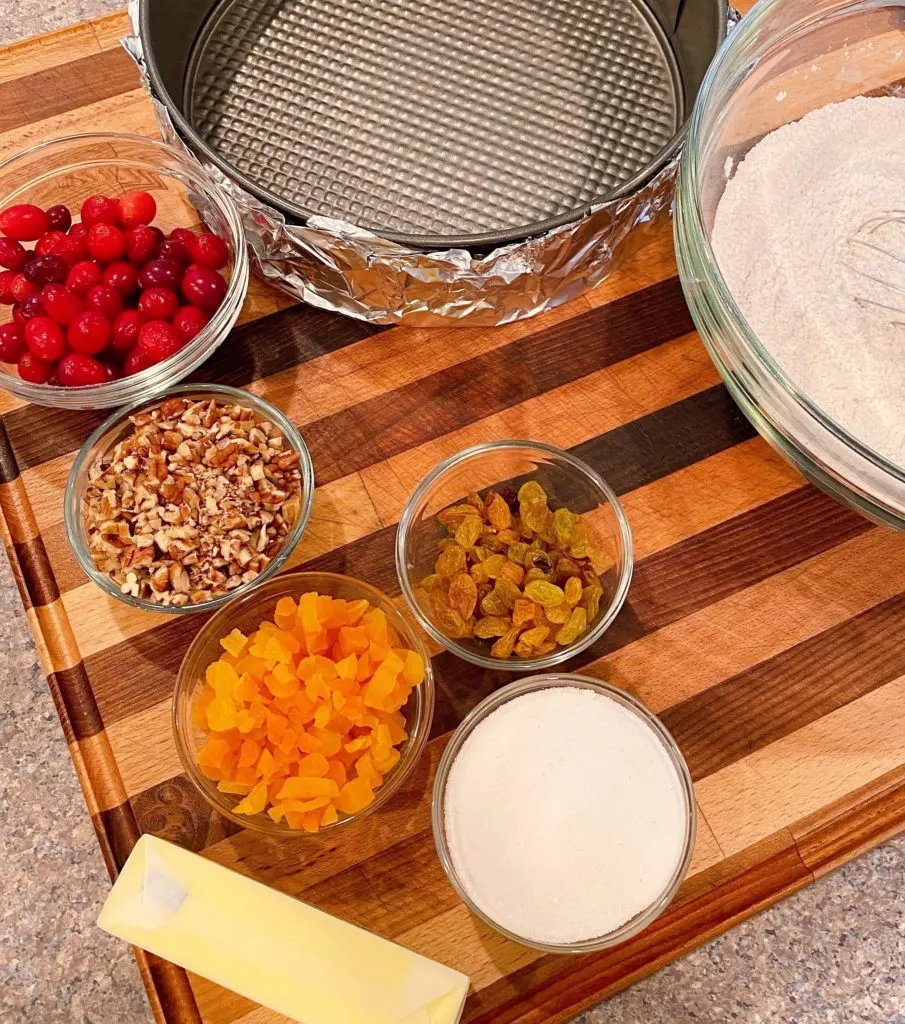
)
(763, 623)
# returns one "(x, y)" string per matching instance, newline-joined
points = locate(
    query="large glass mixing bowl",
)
(784, 59)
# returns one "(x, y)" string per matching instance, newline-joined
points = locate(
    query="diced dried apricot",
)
(301, 717)
(313, 765)
(355, 796)
(255, 802)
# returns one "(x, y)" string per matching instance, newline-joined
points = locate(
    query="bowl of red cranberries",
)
(122, 268)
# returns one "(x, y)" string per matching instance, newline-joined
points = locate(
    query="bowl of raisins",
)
(514, 555)
(122, 267)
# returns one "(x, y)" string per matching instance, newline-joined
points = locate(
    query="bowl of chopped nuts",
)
(514, 555)
(182, 501)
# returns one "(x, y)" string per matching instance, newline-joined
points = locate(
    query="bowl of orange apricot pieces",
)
(303, 704)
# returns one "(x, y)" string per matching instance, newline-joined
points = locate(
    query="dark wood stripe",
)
(176, 811)
(120, 834)
(172, 988)
(442, 402)
(37, 576)
(558, 988)
(9, 468)
(254, 351)
(75, 702)
(740, 552)
(799, 686)
(709, 421)
(66, 87)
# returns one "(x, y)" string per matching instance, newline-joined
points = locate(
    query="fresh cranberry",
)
(136, 361)
(46, 269)
(161, 274)
(100, 210)
(136, 208)
(141, 244)
(83, 276)
(45, 338)
(159, 340)
(60, 303)
(122, 277)
(203, 287)
(209, 250)
(183, 235)
(158, 303)
(24, 222)
(105, 300)
(21, 287)
(6, 286)
(12, 342)
(33, 368)
(125, 330)
(77, 370)
(12, 254)
(111, 371)
(27, 308)
(173, 249)
(89, 332)
(106, 242)
(79, 230)
(74, 248)
(188, 321)
(59, 217)
(52, 242)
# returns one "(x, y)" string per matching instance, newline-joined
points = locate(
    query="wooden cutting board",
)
(763, 624)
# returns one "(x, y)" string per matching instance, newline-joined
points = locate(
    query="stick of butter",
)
(272, 948)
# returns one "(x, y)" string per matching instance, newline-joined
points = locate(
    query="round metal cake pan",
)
(432, 124)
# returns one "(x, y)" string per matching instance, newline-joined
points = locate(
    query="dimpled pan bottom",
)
(433, 119)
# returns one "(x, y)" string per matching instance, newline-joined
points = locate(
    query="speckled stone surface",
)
(833, 954)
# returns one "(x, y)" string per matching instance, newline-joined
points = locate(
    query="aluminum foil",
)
(340, 267)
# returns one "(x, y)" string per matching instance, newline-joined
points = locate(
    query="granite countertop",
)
(833, 953)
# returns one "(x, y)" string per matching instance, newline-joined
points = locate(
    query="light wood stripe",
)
(30, 56)
(803, 772)
(564, 417)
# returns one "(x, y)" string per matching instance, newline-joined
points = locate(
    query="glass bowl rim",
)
(750, 28)
(519, 688)
(623, 535)
(384, 793)
(209, 338)
(74, 520)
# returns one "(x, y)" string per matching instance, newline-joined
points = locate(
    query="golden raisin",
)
(590, 600)
(548, 595)
(523, 611)
(512, 572)
(451, 560)
(505, 645)
(456, 514)
(468, 531)
(531, 492)
(491, 625)
(572, 590)
(576, 624)
(498, 514)
(508, 592)
(557, 615)
(463, 594)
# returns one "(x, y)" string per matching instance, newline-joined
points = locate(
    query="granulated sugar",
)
(565, 815)
(781, 236)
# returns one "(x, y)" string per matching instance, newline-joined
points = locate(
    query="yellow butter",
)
(271, 948)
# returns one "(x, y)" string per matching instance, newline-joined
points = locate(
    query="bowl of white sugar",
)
(790, 237)
(563, 813)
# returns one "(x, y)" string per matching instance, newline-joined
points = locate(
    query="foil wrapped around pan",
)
(344, 268)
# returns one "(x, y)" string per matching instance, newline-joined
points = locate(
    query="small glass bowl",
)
(69, 170)
(569, 483)
(246, 613)
(518, 689)
(117, 426)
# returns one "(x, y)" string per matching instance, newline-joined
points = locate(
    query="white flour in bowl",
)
(781, 236)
